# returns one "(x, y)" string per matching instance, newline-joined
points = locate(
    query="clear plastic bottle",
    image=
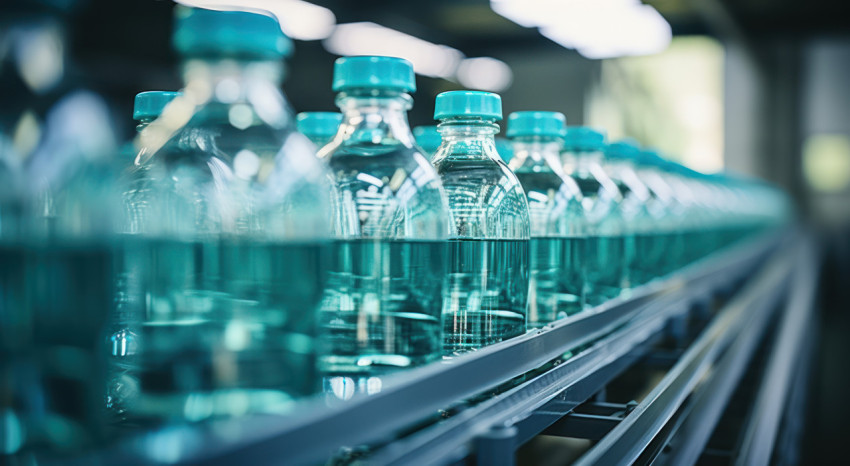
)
(147, 107)
(237, 230)
(486, 300)
(605, 254)
(59, 298)
(381, 310)
(694, 215)
(123, 385)
(58, 205)
(665, 208)
(427, 138)
(643, 248)
(319, 127)
(555, 213)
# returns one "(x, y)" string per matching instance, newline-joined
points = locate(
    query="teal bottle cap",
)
(149, 105)
(372, 72)
(468, 103)
(625, 149)
(546, 124)
(318, 125)
(427, 138)
(201, 32)
(583, 138)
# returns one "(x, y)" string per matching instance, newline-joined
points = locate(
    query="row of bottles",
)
(225, 264)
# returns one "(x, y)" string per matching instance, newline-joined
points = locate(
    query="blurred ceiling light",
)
(484, 73)
(298, 19)
(373, 39)
(531, 13)
(826, 162)
(39, 55)
(595, 28)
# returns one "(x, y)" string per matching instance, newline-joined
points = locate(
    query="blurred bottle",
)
(57, 211)
(11, 176)
(605, 251)
(730, 213)
(694, 220)
(505, 149)
(555, 213)
(427, 138)
(319, 127)
(665, 208)
(382, 306)
(757, 206)
(487, 296)
(643, 246)
(130, 266)
(147, 106)
(235, 230)
(715, 214)
(137, 181)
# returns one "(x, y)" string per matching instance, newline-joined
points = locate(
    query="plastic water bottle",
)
(427, 138)
(486, 300)
(693, 219)
(236, 234)
(57, 256)
(555, 212)
(605, 251)
(381, 310)
(123, 384)
(319, 127)
(643, 249)
(58, 204)
(147, 107)
(665, 208)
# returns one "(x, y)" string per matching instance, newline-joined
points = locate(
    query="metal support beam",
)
(593, 422)
(742, 316)
(761, 434)
(496, 447)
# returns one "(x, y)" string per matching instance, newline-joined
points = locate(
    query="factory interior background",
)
(754, 87)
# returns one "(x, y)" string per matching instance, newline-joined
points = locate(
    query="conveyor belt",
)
(451, 410)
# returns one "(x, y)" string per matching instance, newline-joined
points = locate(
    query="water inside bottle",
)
(485, 298)
(230, 327)
(557, 279)
(381, 310)
(55, 300)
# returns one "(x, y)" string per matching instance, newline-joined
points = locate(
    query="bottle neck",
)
(468, 138)
(619, 168)
(377, 117)
(143, 123)
(581, 160)
(319, 141)
(535, 152)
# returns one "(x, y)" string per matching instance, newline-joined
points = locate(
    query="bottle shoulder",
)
(485, 170)
(547, 181)
(389, 166)
(390, 192)
(256, 154)
(485, 198)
